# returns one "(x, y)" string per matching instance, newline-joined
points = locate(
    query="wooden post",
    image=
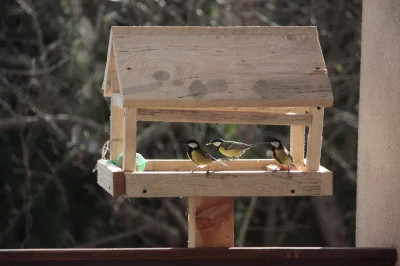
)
(117, 132)
(116, 146)
(211, 222)
(378, 183)
(297, 137)
(314, 142)
(130, 140)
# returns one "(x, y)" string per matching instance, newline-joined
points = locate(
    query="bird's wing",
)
(205, 154)
(288, 153)
(235, 145)
(259, 144)
(208, 155)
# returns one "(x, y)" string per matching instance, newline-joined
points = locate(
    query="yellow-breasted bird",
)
(280, 153)
(200, 157)
(232, 149)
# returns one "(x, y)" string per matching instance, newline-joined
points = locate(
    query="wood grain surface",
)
(226, 184)
(225, 117)
(184, 165)
(111, 178)
(116, 131)
(213, 67)
(314, 143)
(130, 130)
(211, 221)
(110, 82)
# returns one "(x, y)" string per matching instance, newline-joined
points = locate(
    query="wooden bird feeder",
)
(235, 75)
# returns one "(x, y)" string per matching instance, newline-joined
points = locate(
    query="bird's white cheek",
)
(269, 153)
(275, 144)
(192, 145)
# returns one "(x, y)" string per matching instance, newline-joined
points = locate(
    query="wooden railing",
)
(201, 256)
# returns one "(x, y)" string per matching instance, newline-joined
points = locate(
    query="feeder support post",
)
(211, 222)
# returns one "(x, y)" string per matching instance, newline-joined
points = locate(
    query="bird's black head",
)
(192, 144)
(275, 143)
(216, 142)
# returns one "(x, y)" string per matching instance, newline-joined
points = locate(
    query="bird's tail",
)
(258, 144)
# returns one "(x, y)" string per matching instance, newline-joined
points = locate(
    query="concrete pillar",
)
(378, 183)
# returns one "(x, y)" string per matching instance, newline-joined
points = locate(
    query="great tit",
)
(231, 149)
(200, 157)
(279, 153)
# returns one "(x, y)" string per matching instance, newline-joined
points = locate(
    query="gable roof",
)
(185, 67)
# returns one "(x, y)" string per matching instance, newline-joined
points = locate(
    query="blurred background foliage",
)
(54, 120)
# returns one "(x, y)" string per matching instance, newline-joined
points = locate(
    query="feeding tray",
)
(173, 178)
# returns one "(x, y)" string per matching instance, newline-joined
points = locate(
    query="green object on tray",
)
(140, 162)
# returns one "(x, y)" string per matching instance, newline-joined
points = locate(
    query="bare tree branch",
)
(330, 222)
(37, 72)
(246, 221)
(23, 121)
(116, 237)
(177, 214)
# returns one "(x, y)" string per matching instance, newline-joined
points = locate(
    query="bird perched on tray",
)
(200, 157)
(279, 153)
(232, 149)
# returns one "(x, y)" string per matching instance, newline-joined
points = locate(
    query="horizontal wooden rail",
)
(228, 184)
(184, 165)
(244, 177)
(201, 256)
(227, 117)
(117, 100)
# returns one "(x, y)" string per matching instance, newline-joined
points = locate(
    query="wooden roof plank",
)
(110, 81)
(221, 66)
